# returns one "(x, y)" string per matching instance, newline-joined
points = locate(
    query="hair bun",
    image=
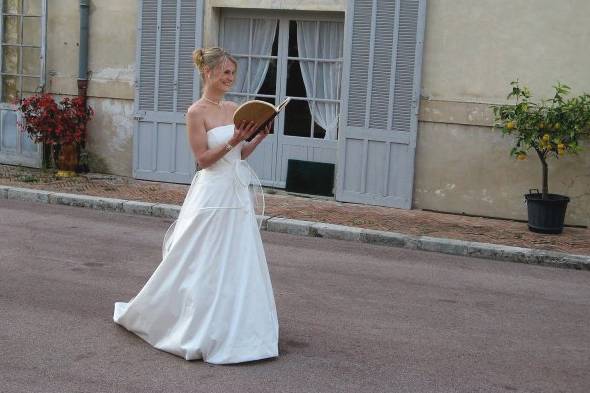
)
(198, 58)
(210, 58)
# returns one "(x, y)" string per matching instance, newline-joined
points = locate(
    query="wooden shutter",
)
(167, 84)
(381, 87)
(148, 33)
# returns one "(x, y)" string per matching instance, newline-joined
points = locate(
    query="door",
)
(22, 58)
(166, 85)
(381, 77)
(289, 54)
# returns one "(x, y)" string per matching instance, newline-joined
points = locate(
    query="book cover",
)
(260, 112)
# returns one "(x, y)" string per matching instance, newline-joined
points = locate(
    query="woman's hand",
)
(242, 132)
(263, 134)
(250, 146)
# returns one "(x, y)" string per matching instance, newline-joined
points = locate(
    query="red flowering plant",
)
(52, 123)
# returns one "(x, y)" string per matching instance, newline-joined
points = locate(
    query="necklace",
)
(211, 101)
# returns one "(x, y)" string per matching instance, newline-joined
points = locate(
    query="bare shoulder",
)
(196, 109)
(232, 105)
(195, 115)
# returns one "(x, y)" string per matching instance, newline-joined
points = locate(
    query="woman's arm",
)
(249, 147)
(197, 136)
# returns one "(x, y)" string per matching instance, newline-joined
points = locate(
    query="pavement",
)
(353, 317)
(318, 217)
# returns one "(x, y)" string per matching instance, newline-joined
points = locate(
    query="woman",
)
(211, 296)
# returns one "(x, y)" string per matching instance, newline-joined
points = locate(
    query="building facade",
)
(357, 72)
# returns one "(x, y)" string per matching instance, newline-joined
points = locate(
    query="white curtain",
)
(328, 74)
(236, 40)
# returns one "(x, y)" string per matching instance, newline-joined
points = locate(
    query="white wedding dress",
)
(211, 296)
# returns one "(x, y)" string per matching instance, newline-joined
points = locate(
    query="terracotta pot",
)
(67, 160)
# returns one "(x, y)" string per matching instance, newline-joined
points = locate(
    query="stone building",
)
(395, 94)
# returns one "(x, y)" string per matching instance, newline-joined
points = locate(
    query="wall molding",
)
(456, 112)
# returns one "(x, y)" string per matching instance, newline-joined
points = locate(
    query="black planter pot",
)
(546, 215)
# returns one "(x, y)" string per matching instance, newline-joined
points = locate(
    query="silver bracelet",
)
(228, 147)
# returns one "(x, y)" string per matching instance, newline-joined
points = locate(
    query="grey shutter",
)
(167, 84)
(148, 32)
(381, 87)
(187, 91)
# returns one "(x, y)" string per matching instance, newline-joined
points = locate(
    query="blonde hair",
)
(211, 58)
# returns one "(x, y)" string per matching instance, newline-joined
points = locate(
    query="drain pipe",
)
(83, 75)
(83, 51)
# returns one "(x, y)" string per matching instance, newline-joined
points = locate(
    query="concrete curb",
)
(316, 229)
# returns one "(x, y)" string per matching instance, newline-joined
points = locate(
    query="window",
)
(314, 69)
(22, 55)
(281, 56)
(253, 42)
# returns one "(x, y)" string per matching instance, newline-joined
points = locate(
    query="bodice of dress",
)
(230, 166)
(219, 136)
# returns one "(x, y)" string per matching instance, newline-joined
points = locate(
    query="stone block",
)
(137, 207)
(287, 225)
(29, 195)
(384, 238)
(338, 232)
(109, 204)
(165, 210)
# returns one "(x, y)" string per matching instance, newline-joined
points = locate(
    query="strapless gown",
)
(211, 297)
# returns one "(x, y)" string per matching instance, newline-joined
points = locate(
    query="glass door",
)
(22, 58)
(254, 42)
(296, 55)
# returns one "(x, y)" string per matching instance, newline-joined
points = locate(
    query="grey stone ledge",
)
(137, 207)
(329, 231)
(4, 192)
(28, 194)
(333, 231)
(478, 250)
(262, 222)
(445, 246)
(505, 253)
(110, 204)
(287, 225)
(165, 210)
(391, 239)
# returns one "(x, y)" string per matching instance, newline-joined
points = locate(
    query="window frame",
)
(282, 58)
(249, 56)
(20, 44)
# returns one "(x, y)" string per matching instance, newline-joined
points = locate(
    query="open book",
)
(260, 112)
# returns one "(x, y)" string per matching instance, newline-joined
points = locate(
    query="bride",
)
(211, 297)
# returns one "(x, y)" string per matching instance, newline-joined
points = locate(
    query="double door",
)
(271, 68)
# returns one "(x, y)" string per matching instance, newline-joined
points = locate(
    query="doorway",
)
(288, 54)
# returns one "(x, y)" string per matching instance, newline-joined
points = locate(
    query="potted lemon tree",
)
(549, 129)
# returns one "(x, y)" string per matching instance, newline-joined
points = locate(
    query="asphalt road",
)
(353, 317)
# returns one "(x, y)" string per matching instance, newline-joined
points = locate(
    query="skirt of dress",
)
(211, 297)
